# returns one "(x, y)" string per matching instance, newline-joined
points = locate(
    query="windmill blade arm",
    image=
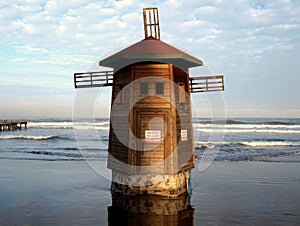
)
(151, 22)
(93, 79)
(206, 84)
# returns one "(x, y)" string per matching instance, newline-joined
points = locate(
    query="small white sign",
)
(183, 135)
(152, 135)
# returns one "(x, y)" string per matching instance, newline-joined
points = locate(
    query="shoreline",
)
(53, 192)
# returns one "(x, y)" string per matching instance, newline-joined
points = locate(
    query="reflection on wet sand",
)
(150, 210)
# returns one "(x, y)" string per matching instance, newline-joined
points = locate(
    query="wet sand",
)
(248, 193)
(71, 193)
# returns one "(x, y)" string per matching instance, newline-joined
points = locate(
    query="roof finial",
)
(151, 23)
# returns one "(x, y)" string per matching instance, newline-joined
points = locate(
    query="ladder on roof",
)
(151, 23)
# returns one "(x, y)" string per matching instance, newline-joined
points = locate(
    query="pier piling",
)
(12, 125)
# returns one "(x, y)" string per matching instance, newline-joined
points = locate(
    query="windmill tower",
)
(151, 148)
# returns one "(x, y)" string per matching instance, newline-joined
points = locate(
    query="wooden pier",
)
(12, 125)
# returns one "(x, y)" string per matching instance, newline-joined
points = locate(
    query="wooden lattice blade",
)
(207, 84)
(93, 79)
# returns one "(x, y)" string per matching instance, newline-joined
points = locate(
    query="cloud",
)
(239, 38)
(207, 9)
(31, 50)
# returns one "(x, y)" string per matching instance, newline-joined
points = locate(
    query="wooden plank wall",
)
(118, 151)
(186, 159)
(155, 105)
(177, 116)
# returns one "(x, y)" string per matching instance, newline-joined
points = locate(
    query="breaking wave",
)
(8, 137)
(250, 143)
(71, 125)
(249, 121)
(254, 130)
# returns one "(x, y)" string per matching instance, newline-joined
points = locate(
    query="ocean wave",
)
(248, 121)
(71, 125)
(247, 155)
(254, 130)
(73, 155)
(54, 159)
(277, 123)
(91, 127)
(223, 122)
(246, 126)
(200, 145)
(51, 125)
(71, 149)
(7, 137)
(197, 124)
(267, 156)
(270, 143)
(203, 144)
(43, 159)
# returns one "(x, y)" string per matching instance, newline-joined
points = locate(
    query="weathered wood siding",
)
(147, 108)
(136, 111)
(118, 143)
(186, 158)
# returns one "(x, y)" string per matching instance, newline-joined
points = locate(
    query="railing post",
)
(75, 81)
(223, 87)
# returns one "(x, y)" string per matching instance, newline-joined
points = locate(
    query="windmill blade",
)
(151, 23)
(206, 84)
(93, 79)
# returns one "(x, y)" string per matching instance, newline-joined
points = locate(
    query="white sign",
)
(152, 135)
(183, 134)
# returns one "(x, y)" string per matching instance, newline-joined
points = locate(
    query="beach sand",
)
(71, 193)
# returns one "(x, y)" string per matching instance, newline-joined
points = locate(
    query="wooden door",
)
(152, 130)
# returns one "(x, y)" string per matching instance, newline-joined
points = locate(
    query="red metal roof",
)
(150, 49)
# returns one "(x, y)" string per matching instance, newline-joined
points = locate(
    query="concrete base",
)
(162, 185)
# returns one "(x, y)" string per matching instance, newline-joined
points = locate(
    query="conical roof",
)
(150, 49)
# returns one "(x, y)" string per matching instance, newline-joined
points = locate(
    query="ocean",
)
(243, 139)
(45, 179)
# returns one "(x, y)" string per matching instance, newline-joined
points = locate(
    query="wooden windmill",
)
(151, 147)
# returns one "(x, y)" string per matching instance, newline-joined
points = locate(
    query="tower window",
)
(144, 88)
(159, 87)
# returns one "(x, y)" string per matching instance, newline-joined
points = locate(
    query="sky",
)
(255, 44)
